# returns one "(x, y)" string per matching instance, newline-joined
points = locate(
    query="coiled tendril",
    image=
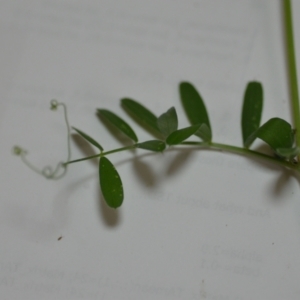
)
(48, 171)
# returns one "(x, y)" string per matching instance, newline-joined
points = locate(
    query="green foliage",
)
(252, 110)
(88, 138)
(168, 122)
(119, 123)
(153, 145)
(195, 109)
(181, 135)
(277, 133)
(143, 116)
(110, 183)
(288, 153)
(204, 132)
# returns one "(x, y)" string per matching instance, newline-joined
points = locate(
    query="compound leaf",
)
(194, 107)
(168, 122)
(110, 183)
(180, 135)
(153, 145)
(89, 139)
(119, 123)
(277, 133)
(252, 109)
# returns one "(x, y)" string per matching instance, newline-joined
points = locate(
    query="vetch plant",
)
(278, 134)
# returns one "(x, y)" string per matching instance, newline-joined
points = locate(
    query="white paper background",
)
(194, 224)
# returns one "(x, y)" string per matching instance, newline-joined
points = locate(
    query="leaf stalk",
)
(245, 152)
(100, 154)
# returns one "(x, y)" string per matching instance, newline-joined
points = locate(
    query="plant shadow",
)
(265, 149)
(285, 176)
(179, 161)
(61, 203)
(110, 217)
(282, 184)
(143, 171)
(61, 206)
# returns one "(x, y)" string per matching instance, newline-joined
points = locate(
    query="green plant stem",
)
(100, 154)
(245, 152)
(292, 67)
(118, 150)
(210, 146)
(81, 159)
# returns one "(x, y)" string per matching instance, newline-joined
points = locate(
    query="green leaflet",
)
(168, 122)
(252, 109)
(119, 123)
(277, 133)
(204, 133)
(195, 108)
(288, 152)
(110, 183)
(89, 139)
(140, 114)
(180, 135)
(153, 145)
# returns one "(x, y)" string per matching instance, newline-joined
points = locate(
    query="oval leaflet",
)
(110, 183)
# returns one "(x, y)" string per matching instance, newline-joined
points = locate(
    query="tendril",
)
(48, 171)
